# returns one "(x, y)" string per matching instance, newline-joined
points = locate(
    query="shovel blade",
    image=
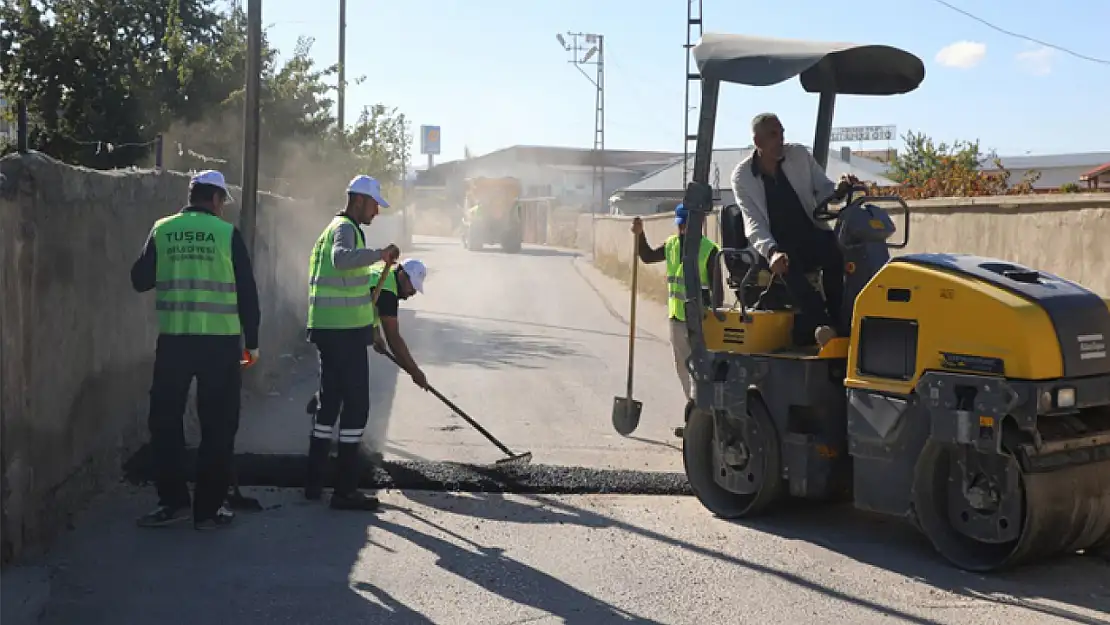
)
(626, 415)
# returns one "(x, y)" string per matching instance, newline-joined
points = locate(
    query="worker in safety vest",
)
(404, 281)
(671, 252)
(200, 268)
(340, 324)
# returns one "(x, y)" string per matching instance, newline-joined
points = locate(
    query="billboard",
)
(863, 133)
(429, 139)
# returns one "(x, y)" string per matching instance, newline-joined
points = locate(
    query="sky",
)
(491, 73)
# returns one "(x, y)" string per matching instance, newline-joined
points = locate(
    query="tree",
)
(123, 71)
(926, 169)
(100, 72)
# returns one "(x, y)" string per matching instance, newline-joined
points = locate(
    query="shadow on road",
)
(1078, 581)
(491, 569)
(446, 343)
(269, 569)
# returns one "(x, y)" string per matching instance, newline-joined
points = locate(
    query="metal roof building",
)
(1056, 170)
(663, 189)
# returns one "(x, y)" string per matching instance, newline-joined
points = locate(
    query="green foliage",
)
(103, 70)
(126, 70)
(925, 169)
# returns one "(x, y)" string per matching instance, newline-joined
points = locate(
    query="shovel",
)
(626, 411)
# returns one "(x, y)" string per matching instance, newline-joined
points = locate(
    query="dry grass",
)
(647, 283)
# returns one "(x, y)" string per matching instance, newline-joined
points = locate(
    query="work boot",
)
(346, 495)
(823, 334)
(354, 500)
(317, 464)
(164, 515)
(221, 519)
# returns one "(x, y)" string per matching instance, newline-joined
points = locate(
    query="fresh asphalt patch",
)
(288, 470)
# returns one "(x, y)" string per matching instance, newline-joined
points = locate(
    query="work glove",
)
(250, 356)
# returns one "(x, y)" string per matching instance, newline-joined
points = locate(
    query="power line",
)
(1021, 36)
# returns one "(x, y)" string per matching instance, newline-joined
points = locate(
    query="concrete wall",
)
(1068, 235)
(78, 342)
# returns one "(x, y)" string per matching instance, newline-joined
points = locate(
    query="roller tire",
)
(699, 464)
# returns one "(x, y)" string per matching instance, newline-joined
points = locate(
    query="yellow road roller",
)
(972, 396)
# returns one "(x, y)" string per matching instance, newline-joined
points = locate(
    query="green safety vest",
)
(337, 299)
(676, 286)
(390, 283)
(195, 276)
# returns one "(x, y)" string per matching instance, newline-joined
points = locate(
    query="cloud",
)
(1037, 61)
(962, 54)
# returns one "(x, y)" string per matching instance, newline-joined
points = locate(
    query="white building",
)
(566, 174)
(1055, 170)
(663, 190)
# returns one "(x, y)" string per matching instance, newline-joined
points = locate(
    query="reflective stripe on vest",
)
(195, 276)
(676, 285)
(337, 299)
(390, 283)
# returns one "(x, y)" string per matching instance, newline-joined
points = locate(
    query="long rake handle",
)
(462, 414)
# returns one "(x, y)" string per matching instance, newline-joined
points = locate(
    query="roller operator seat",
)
(734, 237)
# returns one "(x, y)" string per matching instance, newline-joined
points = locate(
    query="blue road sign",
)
(429, 139)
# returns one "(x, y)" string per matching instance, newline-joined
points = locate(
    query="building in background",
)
(662, 190)
(565, 174)
(1097, 178)
(1056, 169)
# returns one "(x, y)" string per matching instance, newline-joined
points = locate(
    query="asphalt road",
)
(534, 346)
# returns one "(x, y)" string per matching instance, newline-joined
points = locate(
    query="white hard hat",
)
(365, 185)
(416, 272)
(214, 178)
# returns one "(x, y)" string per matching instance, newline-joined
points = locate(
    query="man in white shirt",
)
(776, 190)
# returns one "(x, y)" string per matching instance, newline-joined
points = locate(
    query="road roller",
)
(970, 398)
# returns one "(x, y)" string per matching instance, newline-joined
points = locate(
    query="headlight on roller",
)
(1065, 398)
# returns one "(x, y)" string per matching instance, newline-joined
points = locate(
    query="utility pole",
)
(342, 59)
(693, 21)
(247, 216)
(596, 48)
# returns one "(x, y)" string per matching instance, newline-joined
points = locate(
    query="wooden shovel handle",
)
(381, 281)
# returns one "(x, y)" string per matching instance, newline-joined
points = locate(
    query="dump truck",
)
(970, 398)
(492, 214)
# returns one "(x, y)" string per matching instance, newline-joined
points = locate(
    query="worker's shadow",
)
(1079, 581)
(491, 569)
(291, 564)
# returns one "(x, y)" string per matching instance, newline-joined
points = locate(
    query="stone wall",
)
(78, 342)
(1068, 235)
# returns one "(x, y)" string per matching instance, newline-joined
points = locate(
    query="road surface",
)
(523, 343)
(534, 345)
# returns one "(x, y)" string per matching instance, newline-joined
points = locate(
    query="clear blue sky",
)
(491, 73)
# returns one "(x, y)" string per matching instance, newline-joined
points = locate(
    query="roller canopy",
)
(845, 68)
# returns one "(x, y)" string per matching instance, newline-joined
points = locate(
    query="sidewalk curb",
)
(651, 316)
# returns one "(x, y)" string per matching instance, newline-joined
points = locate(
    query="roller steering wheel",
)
(821, 212)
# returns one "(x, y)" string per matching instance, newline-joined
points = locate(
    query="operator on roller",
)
(776, 190)
(340, 324)
(671, 252)
(206, 298)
